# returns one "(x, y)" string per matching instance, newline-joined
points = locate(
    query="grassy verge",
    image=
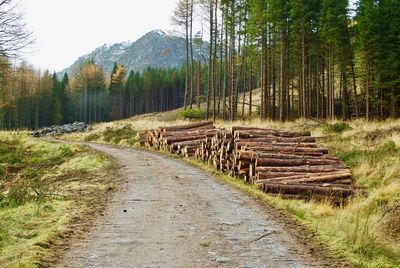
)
(49, 192)
(366, 232)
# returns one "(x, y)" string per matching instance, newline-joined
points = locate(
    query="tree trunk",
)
(303, 77)
(191, 56)
(225, 84)
(210, 59)
(264, 82)
(282, 90)
(250, 85)
(214, 55)
(233, 63)
(198, 82)
(353, 76)
(187, 55)
(220, 79)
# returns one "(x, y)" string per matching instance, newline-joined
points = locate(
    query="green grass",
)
(45, 188)
(26, 232)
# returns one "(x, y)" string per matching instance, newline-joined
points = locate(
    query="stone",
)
(222, 259)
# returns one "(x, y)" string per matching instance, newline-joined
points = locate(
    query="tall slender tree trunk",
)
(233, 63)
(367, 93)
(250, 84)
(353, 76)
(221, 71)
(265, 83)
(328, 87)
(318, 86)
(282, 77)
(214, 55)
(333, 88)
(262, 78)
(244, 91)
(225, 84)
(198, 82)
(187, 54)
(191, 56)
(303, 77)
(323, 102)
(210, 59)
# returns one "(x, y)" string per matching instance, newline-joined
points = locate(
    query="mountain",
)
(155, 49)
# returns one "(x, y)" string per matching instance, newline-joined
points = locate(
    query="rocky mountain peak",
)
(156, 49)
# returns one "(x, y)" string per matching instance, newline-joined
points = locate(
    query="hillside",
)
(155, 49)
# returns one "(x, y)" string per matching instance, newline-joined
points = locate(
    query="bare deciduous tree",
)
(14, 35)
(183, 17)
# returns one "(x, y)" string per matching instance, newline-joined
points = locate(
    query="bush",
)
(66, 151)
(92, 137)
(193, 114)
(116, 135)
(351, 158)
(337, 127)
(392, 219)
(22, 168)
(18, 195)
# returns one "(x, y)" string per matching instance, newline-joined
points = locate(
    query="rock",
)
(35, 134)
(63, 129)
(222, 259)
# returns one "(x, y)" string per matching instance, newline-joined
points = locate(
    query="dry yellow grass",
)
(365, 231)
(45, 202)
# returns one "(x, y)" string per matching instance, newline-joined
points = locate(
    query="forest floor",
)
(366, 231)
(169, 213)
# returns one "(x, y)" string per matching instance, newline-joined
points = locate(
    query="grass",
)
(48, 193)
(348, 231)
(366, 232)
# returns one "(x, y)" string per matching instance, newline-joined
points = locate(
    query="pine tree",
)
(57, 100)
(65, 101)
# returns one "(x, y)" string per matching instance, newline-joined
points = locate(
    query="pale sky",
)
(67, 29)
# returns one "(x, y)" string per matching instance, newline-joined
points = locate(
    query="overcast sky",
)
(67, 29)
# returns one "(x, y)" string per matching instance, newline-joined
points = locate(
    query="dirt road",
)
(170, 214)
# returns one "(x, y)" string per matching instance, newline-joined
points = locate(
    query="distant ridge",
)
(155, 49)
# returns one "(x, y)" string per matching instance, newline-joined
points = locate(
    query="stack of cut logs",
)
(182, 140)
(279, 162)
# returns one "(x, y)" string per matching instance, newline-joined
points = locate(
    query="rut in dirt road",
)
(170, 214)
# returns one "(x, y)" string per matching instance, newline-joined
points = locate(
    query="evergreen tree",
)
(57, 100)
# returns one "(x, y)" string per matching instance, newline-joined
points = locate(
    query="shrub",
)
(337, 127)
(193, 114)
(92, 137)
(116, 135)
(392, 219)
(18, 195)
(66, 151)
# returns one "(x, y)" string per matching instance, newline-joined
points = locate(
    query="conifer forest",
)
(318, 59)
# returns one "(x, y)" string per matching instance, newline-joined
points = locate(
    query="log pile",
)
(279, 162)
(181, 140)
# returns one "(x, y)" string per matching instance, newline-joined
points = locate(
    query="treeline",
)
(32, 99)
(314, 58)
